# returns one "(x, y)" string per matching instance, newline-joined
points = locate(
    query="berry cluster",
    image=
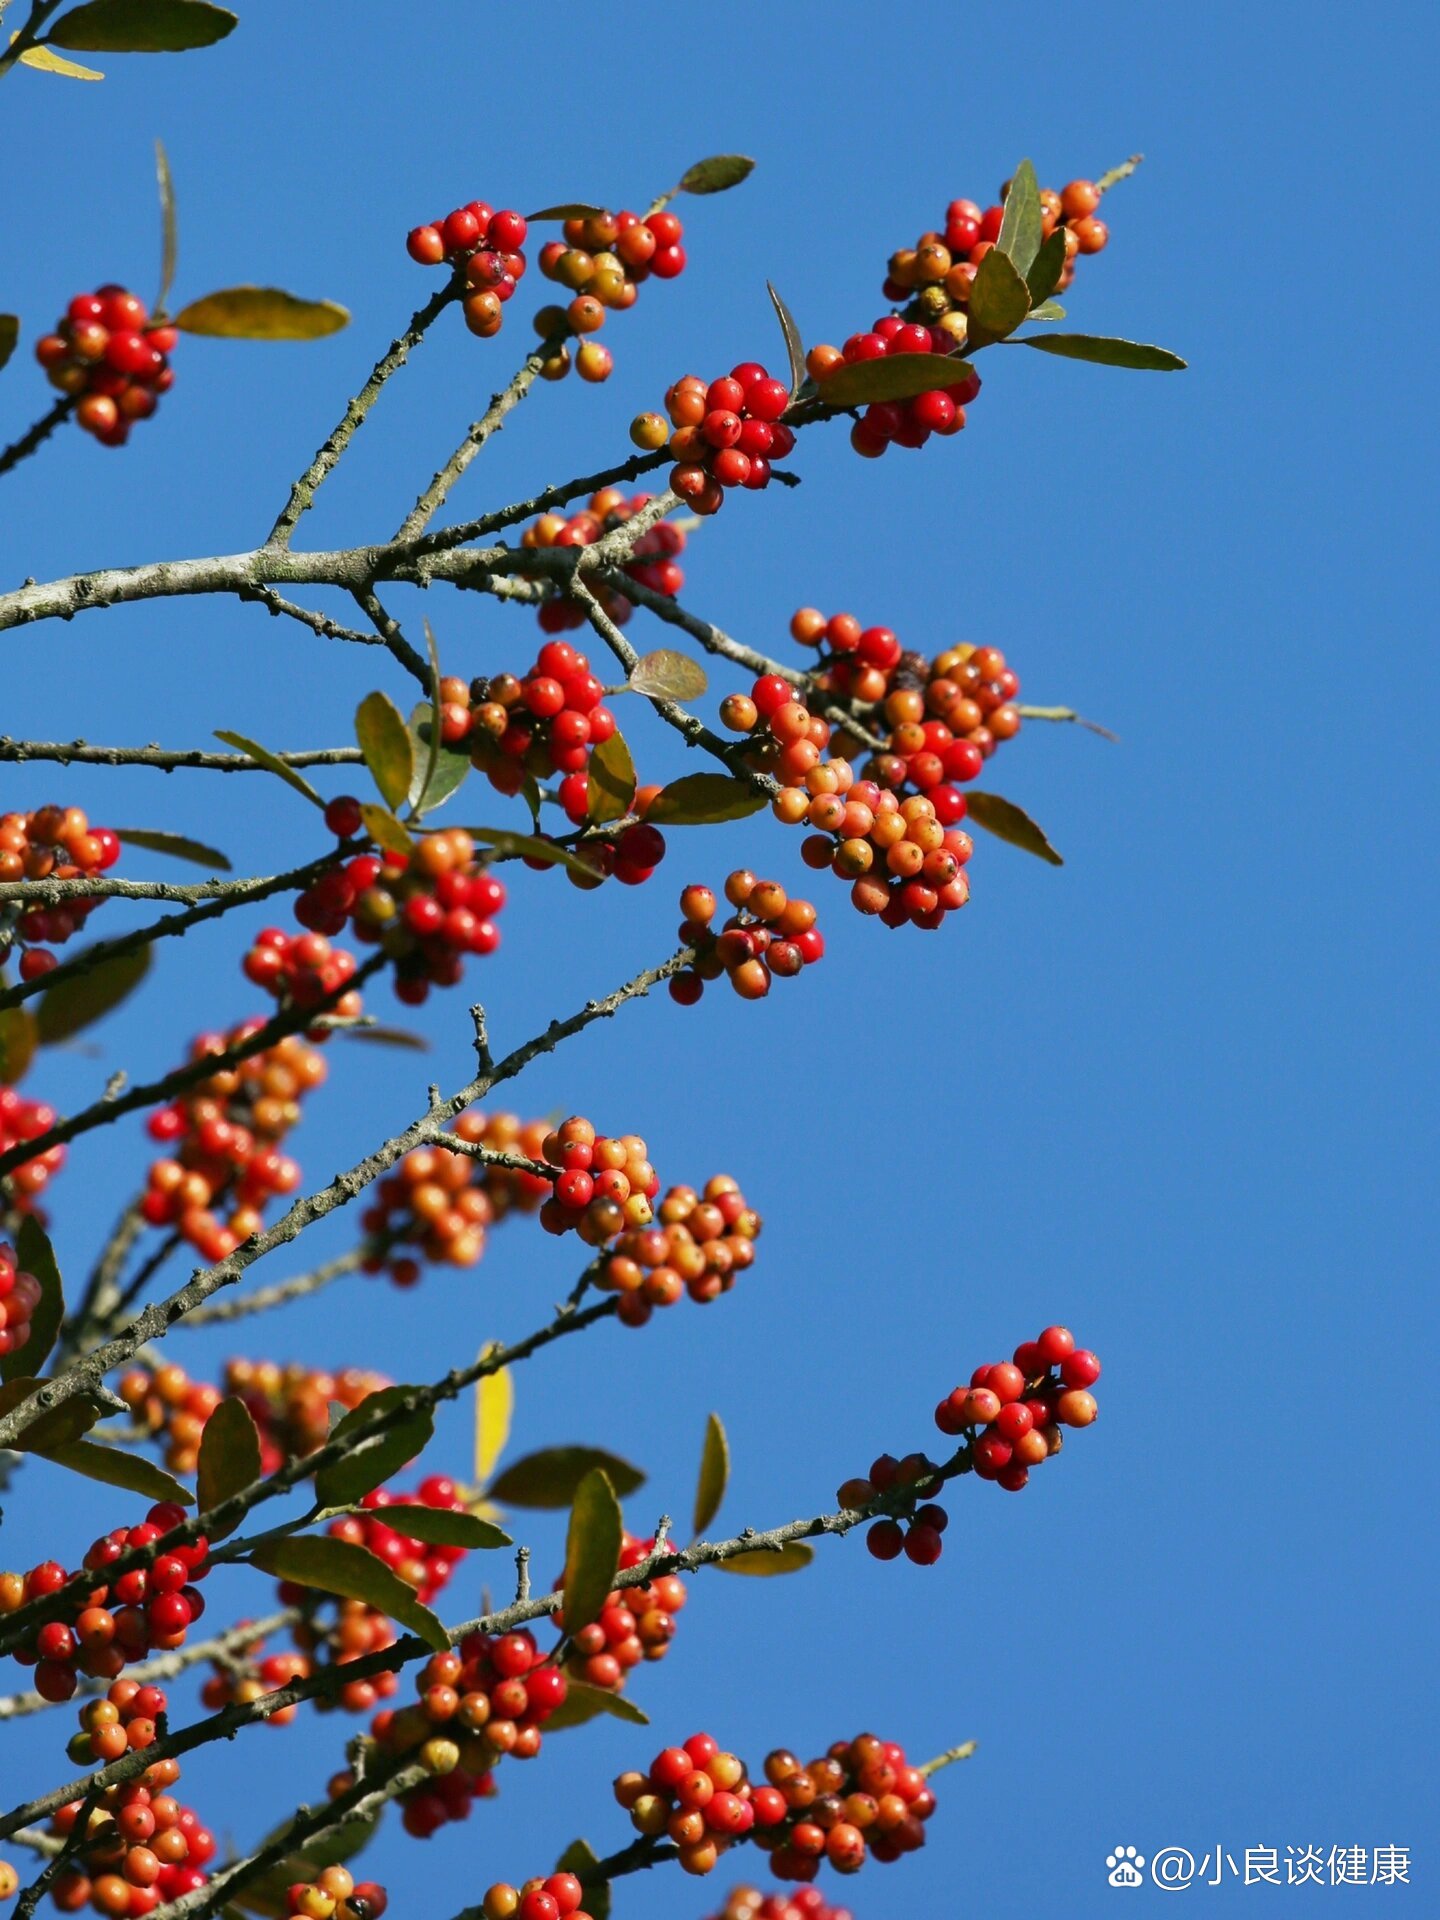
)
(1014, 1409)
(20, 1120)
(601, 262)
(698, 1797)
(769, 933)
(726, 433)
(52, 843)
(421, 1564)
(19, 1297)
(553, 1896)
(635, 1624)
(290, 1406)
(479, 1704)
(602, 1184)
(901, 423)
(784, 738)
(224, 1133)
(697, 1246)
(544, 722)
(148, 1607)
(443, 1203)
(336, 1895)
(487, 245)
(302, 969)
(806, 1903)
(651, 563)
(425, 910)
(915, 1529)
(112, 359)
(141, 1848)
(904, 860)
(123, 1721)
(241, 1681)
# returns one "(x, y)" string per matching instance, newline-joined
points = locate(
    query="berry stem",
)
(1117, 174)
(19, 449)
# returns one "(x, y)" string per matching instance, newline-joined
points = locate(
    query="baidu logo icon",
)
(1125, 1866)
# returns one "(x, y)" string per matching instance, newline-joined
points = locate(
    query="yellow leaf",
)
(47, 62)
(494, 1405)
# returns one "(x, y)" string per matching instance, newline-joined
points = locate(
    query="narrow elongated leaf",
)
(549, 1479)
(384, 739)
(142, 26)
(354, 1573)
(388, 1037)
(717, 174)
(1045, 270)
(272, 763)
(794, 346)
(1009, 822)
(999, 299)
(369, 1463)
(18, 1041)
(895, 376)
(567, 210)
(118, 1468)
(1105, 352)
(787, 1559)
(44, 61)
(432, 745)
(442, 1527)
(583, 1702)
(385, 830)
(581, 1859)
(714, 1473)
(229, 1454)
(592, 1549)
(611, 785)
(668, 675)
(530, 846)
(81, 999)
(35, 1256)
(48, 1427)
(169, 231)
(440, 778)
(700, 798)
(9, 335)
(1020, 233)
(494, 1409)
(177, 846)
(261, 313)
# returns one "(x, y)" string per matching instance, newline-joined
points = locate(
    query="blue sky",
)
(1178, 1094)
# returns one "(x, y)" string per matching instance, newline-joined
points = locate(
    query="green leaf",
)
(261, 313)
(35, 1256)
(384, 739)
(118, 1468)
(142, 26)
(667, 675)
(999, 299)
(794, 346)
(385, 830)
(451, 766)
(612, 780)
(494, 1409)
(1047, 310)
(717, 174)
(354, 1573)
(47, 62)
(714, 1473)
(581, 1859)
(1020, 231)
(272, 763)
(567, 210)
(787, 1559)
(81, 999)
(9, 335)
(895, 376)
(169, 232)
(1045, 271)
(18, 1041)
(592, 1550)
(1104, 352)
(549, 1479)
(229, 1455)
(443, 1527)
(583, 1703)
(369, 1463)
(530, 846)
(1009, 822)
(177, 846)
(47, 1427)
(700, 798)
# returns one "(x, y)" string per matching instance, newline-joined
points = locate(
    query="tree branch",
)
(20, 449)
(81, 753)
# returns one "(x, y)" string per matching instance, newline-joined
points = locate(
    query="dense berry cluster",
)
(602, 1183)
(302, 969)
(806, 1903)
(22, 1119)
(425, 910)
(149, 1607)
(726, 433)
(112, 359)
(335, 1894)
(1014, 1409)
(421, 1564)
(602, 262)
(901, 423)
(52, 843)
(141, 1846)
(224, 1136)
(443, 1203)
(124, 1721)
(652, 561)
(19, 1297)
(935, 275)
(487, 245)
(769, 933)
(698, 1245)
(553, 1896)
(635, 1624)
(290, 1406)
(543, 722)
(917, 1524)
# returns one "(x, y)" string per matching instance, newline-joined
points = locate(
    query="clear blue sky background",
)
(1178, 1094)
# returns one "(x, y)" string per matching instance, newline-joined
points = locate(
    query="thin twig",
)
(81, 753)
(20, 449)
